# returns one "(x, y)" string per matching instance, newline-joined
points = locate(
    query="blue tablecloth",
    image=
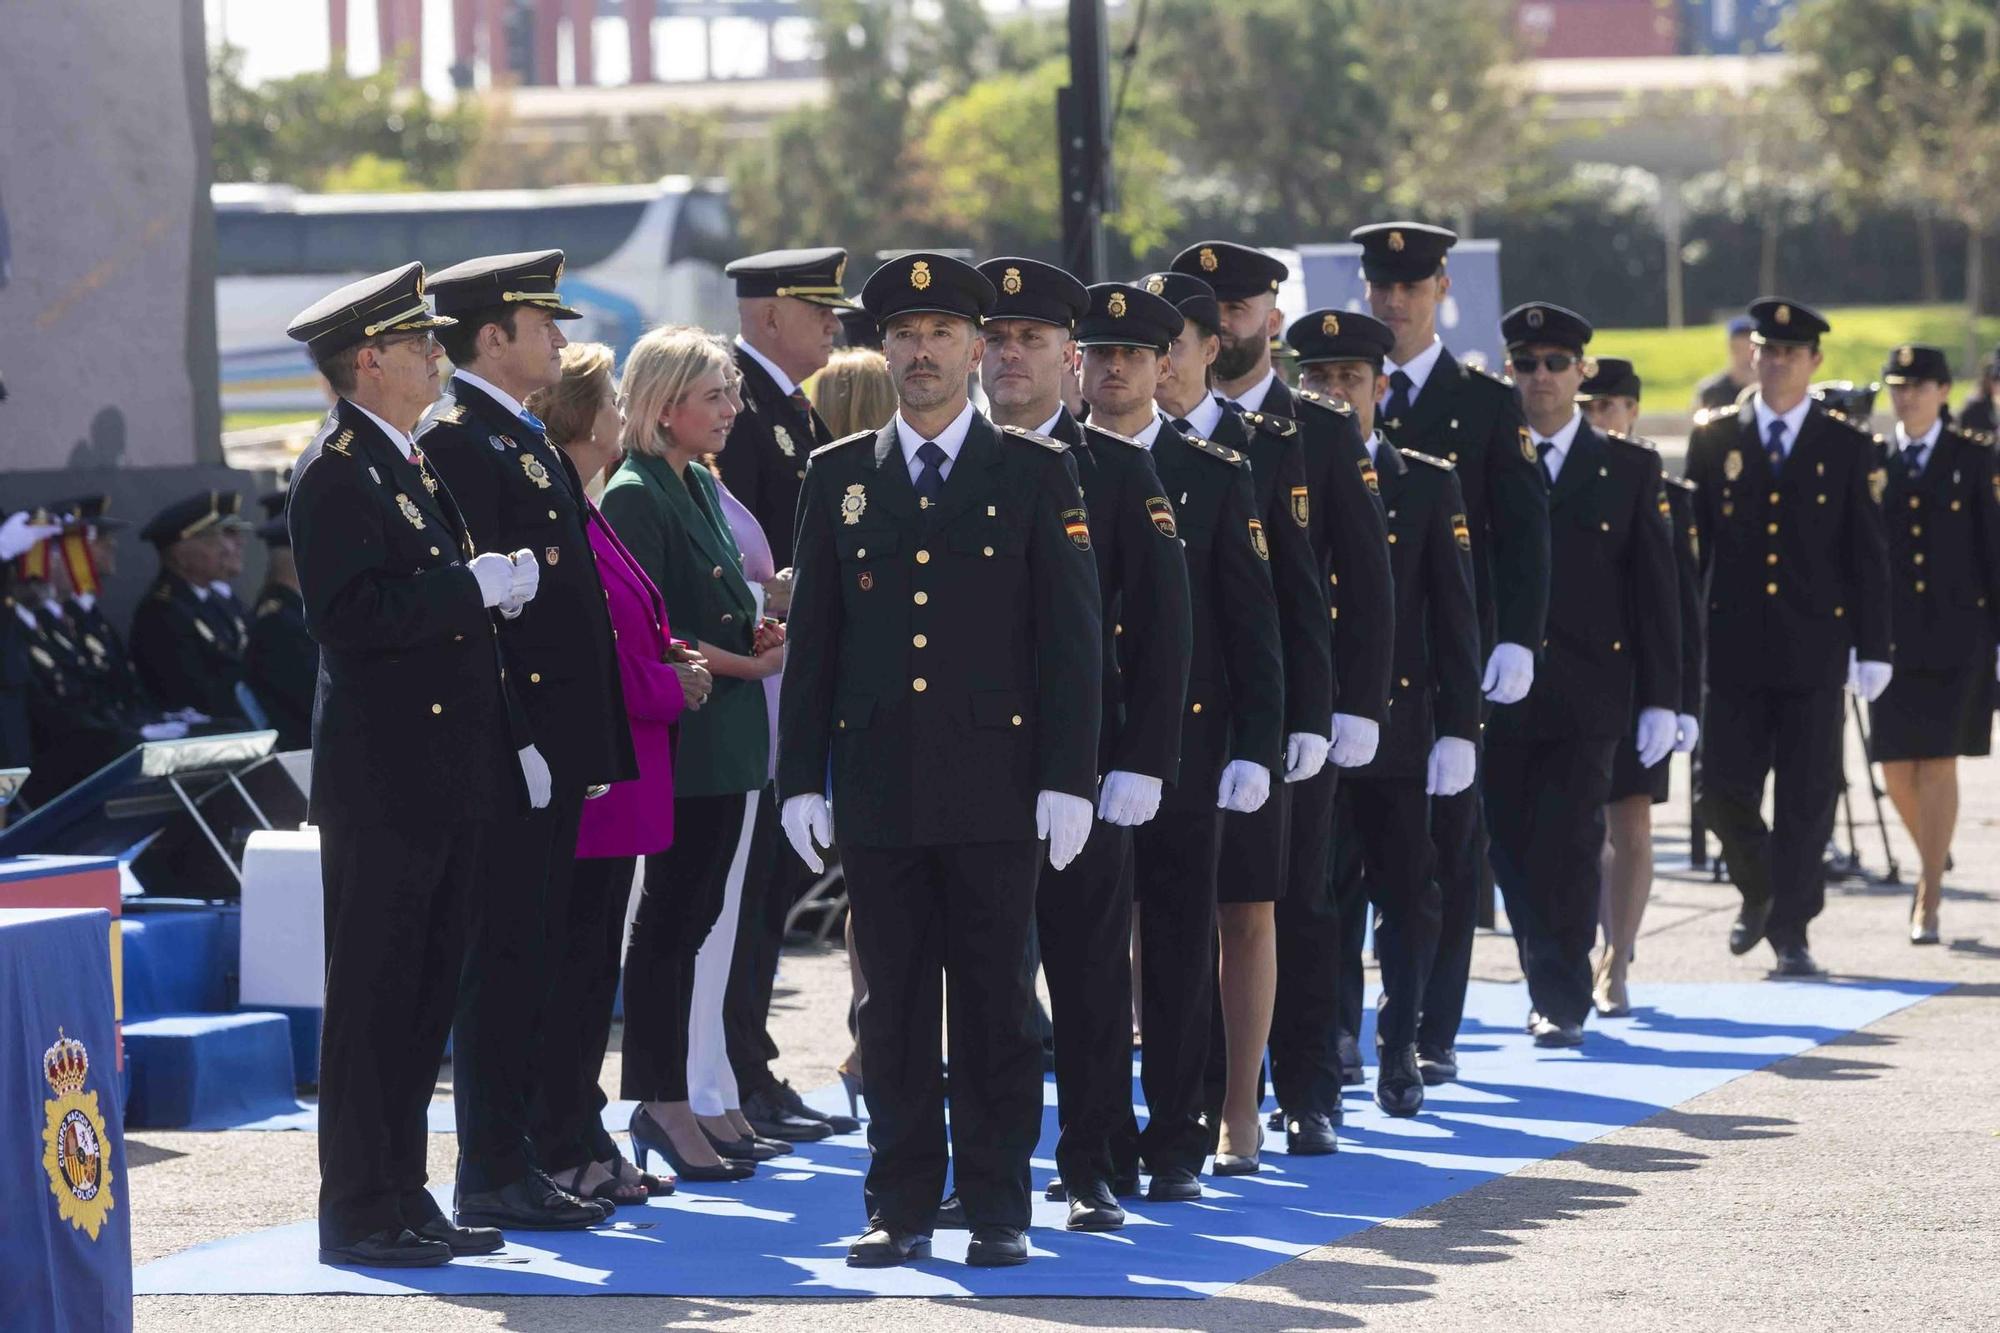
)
(65, 1202)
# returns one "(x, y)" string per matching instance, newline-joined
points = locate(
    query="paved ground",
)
(1851, 1185)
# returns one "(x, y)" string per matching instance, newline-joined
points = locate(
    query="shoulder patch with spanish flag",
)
(1076, 525)
(1257, 542)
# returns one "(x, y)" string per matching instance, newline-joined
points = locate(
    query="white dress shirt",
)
(1374, 444)
(1558, 443)
(1205, 417)
(493, 391)
(1151, 430)
(1252, 400)
(1419, 367)
(1924, 444)
(1049, 427)
(1792, 419)
(785, 385)
(951, 439)
(402, 439)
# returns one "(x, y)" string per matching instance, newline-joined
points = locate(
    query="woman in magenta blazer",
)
(626, 821)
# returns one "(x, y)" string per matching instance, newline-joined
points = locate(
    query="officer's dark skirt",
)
(1933, 714)
(1628, 779)
(1254, 848)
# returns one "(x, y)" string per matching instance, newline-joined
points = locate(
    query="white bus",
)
(638, 255)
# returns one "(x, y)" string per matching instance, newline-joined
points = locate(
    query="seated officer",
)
(183, 649)
(281, 663)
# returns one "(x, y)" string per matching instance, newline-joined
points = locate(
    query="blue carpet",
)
(785, 1232)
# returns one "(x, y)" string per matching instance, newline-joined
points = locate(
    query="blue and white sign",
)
(1468, 321)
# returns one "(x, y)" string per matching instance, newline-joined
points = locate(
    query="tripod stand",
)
(1847, 864)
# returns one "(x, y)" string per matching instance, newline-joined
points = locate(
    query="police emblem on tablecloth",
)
(1257, 542)
(1329, 324)
(1461, 532)
(73, 1149)
(1878, 483)
(1116, 305)
(501, 444)
(1076, 525)
(1368, 476)
(1010, 282)
(784, 439)
(920, 275)
(1732, 465)
(410, 510)
(1208, 260)
(1301, 506)
(854, 504)
(536, 472)
(1162, 515)
(1528, 446)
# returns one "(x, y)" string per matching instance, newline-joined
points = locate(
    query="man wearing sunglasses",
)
(1613, 639)
(1471, 419)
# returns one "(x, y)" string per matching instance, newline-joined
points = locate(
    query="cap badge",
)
(1396, 241)
(1535, 317)
(1208, 260)
(1010, 282)
(1783, 314)
(1116, 305)
(1906, 356)
(1589, 367)
(1329, 324)
(1156, 284)
(920, 275)
(558, 274)
(855, 503)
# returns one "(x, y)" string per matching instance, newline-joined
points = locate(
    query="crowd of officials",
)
(1162, 673)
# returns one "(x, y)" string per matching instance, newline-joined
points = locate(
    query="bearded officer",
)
(418, 752)
(945, 672)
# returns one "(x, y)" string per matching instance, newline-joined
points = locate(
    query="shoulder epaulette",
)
(269, 606)
(1481, 372)
(1432, 459)
(1707, 414)
(1682, 482)
(1111, 435)
(1338, 406)
(161, 593)
(1048, 442)
(1271, 425)
(1627, 442)
(1983, 438)
(1217, 451)
(341, 442)
(451, 416)
(842, 442)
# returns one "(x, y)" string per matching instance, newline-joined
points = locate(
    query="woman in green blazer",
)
(662, 502)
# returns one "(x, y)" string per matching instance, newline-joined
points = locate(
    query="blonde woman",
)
(854, 392)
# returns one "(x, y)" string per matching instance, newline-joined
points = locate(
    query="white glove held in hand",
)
(1510, 673)
(1690, 728)
(1657, 727)
(1305, 755)
(1244, 788)
(536, 770)
(1128, 799)
(163, 731)
(1451, 766)
(1354, 740)
(17, 534)
(1065, 821)
(807, 820)
(1867, 679)
(495, 573)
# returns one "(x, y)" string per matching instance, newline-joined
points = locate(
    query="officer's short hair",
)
(338, 368)
(461, 341)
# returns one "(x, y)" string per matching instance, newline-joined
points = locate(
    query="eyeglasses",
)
(1556, 362)
(424, 341)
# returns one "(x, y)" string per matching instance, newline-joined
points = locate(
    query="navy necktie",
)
(930, 479)
(1542, 451)
(1774, 445)
(1231, 406)
(1181, 425)
(1913, 458)
(1398, 405)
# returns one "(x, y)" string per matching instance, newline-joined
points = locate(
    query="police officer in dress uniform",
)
(944, 686)
(187, 652)
(20, 531)
(419, 753)
(517, 491)
(114, 679)
(1797, 576)
(231, 617)
(1471, 419)
(1613, 641)
(281, 663)
(1382, 839)
(1084, 912)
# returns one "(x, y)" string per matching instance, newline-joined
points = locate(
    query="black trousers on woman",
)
(575, 1028)
(682, 899)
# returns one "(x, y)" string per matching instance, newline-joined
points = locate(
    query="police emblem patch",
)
(1301, 506)
(1878, 483)
(552, 554)
(1010, 282)
(854, 504)
(1368, 476)
(1905, 355)
(1528, 446)
(1535, 317)
(1396, 241)
(1116, 305)
(410, 510)
(1208, 260)
(73, 1148)
(1257, 542)
(1162, 515)
(867, 580)
(536, 472)
(784, 439)
(1732, 465)
(920, 275)
(1461, 532)
(1329, 324)
(1156, 284)
(1076, 526)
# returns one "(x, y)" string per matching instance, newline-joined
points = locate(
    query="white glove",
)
(495, 573)
(1305, 755)
(1065, 821)
(807, 820)
(1245, 787)
(1690, 728)
(536, 770)
(1510, 673)
(526, 582)
(1871, 678)
(1354, 740)
(1451, 765)
(1128, 799)
(1657, 727)
(18, 534)
(163, 731)
(189, 715)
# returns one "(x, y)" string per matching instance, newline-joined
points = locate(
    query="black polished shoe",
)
(997, 1247)
(1125, 1186)
(1311, 1135)
(1173, 1184)
(1275, 1122)
(1349, 1051)
(1095, 1209)
(885, 1247)
(461, 1240)
(1552, 1035)
(393, 1247)
(1751, 919)
(1437, 1066)
(787, 1097)
(1795, 961)
(650, 1136)
(752, 1149)
(770, 1118)
(1399, 1087)
(950, 1214)
(532, 1203)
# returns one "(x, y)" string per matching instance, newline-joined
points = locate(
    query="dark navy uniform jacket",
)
(281, 665)
(1944, 554)
(769, 443)
(185, 653)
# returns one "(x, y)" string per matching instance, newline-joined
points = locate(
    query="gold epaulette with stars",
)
(270, 606)
(1282, 427)
(1708, 414)
(1034, 437)
(1218, 451)
(1112, 435)
(1337, 406)
(1432, 459)
(451, 416)
(842, 442)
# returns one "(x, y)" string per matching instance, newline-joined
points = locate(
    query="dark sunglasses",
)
(1557, 363)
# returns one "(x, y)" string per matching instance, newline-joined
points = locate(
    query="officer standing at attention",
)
(1084, 912)
(281, 664)
(1796, 567)
(944, 686)
(186, 653)
(418, 753)
(1382, 847)
(1472, 420)
(1246, 282)
(1613, 640)
(517, 491)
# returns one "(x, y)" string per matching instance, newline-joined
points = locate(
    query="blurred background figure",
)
(281, 661)
(1722, 388)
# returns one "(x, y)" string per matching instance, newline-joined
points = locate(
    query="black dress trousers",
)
(395, 911)
(1305, 1068)
(1458, 833)
(919, 913)
(771, 884)
(575, 1030)
(1383, 854)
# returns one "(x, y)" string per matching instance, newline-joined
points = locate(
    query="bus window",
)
(703, 230)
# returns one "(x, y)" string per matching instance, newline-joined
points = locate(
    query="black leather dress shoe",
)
(1174, 1184)
(1095, 1209)
(770, 1118)
(532, 1203)
(1349, 1051)
(1795, 961)
(1437, 1066)
(1552, 1035)
(884, 1247)
(1751, 919)
(1399, 1087)
(461, 1240)
(1311, 1135)
(394, 1247)
(787, 1097)
(950, 1214)
(997, 1247)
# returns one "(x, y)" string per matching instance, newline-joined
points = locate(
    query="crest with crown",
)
(66, 1065)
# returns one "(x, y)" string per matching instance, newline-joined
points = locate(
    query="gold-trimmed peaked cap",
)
(927, 282)
(1615, 378)
(812, 274)
(391, 302)
(192, 516)
(1193, 297)
(528, 277)
(1914, 363)
(1122, 315)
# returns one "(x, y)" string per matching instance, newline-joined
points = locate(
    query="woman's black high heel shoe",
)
(850, 1083)
(749, 1149)
(649, 1136)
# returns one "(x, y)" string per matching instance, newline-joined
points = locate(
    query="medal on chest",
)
(536, 472)
(854, 504)
(410, 510)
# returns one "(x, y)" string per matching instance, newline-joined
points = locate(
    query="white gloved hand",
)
(163, 731)
(1690, 729)
(1354, 740)
(1065, 821)
(19, 534)
(495, 573)
(1657, 727)
(1510, 674)
(527, 577)
(1128, 799)
(1244, 788)
(190, 715)
(1871, 678)
(807, 820)
(1305, 755)
(536, 770)
(1451, 766)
